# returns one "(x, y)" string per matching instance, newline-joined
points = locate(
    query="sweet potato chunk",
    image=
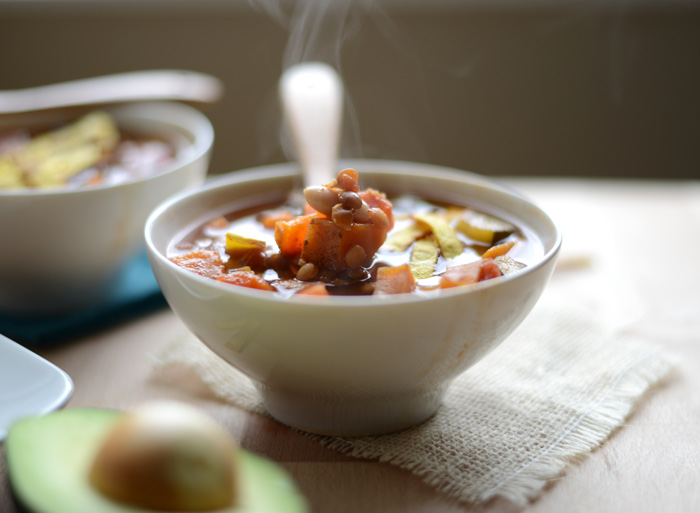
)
(290, 235)
(204, 262)
(473, 272)
(498, 250)
(326, 245)
(394, 280)
(322, 244)
(246, 279)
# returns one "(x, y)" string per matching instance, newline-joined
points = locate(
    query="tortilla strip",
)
(424, 256)
(450, 245)
(400, 241)
(50, 159)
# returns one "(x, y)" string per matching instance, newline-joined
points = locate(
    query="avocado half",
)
(49, 459)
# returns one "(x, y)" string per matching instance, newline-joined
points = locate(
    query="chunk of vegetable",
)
(376, 199)
(483, 227)
(246, 279)
(290, 235)
(326, 245)
(498, 250)
(467, 274)
(394, 280)
(244, 252)
(204, 262)
(322, 244)
(507, 265)
(315, 289)
(269, 218)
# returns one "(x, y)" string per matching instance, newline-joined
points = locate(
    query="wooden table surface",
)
(651, 464)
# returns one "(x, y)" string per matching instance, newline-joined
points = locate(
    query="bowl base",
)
(350, 415)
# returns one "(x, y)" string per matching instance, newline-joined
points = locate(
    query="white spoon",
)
(311, 94)
(180, 85)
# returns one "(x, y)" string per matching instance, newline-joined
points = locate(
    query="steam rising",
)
(318, 31)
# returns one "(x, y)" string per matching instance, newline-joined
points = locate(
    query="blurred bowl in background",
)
(350, 365)
(63, 248)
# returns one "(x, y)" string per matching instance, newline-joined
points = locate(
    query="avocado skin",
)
(48, 461)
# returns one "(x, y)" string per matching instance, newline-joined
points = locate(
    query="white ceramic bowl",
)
(62, 249)
(350, 365)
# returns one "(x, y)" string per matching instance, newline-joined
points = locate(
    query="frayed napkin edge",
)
(592, 429)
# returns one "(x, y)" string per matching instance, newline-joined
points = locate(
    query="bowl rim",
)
(290, 169)
(177, 115)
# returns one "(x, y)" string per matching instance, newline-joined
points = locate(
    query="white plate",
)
(29, 385)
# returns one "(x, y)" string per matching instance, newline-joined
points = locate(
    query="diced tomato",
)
(316, 289)
(204, 262)
(473, 272)
(246, 279)
(376, 199)
(489, 269)
(394, 280)
(269, 218)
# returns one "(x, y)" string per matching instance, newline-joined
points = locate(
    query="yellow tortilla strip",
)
(450, 245)
(400, 241)
(11, 175)
(424, 256)
(50, 159)
(57, 169)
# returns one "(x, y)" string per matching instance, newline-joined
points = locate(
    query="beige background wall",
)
(607, 90)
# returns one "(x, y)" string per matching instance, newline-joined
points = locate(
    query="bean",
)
(307, 272)
(348, 180)
(362, 213)
(342, 217)
(355, 257)
(350, 200)
(321, 198)
(379, 217)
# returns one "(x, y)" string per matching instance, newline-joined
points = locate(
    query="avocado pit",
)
(167, 456)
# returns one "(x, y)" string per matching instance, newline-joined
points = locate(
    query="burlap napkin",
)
(553, 391)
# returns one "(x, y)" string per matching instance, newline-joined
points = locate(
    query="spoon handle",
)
(186, 86)
(311, 94)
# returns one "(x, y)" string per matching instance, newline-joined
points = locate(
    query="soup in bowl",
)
(345, 326)
(75, 192)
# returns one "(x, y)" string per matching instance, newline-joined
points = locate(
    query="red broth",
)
(428, 247)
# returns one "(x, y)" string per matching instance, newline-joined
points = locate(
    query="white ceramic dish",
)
(29, 385)
(350, 365)
(62, 248)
